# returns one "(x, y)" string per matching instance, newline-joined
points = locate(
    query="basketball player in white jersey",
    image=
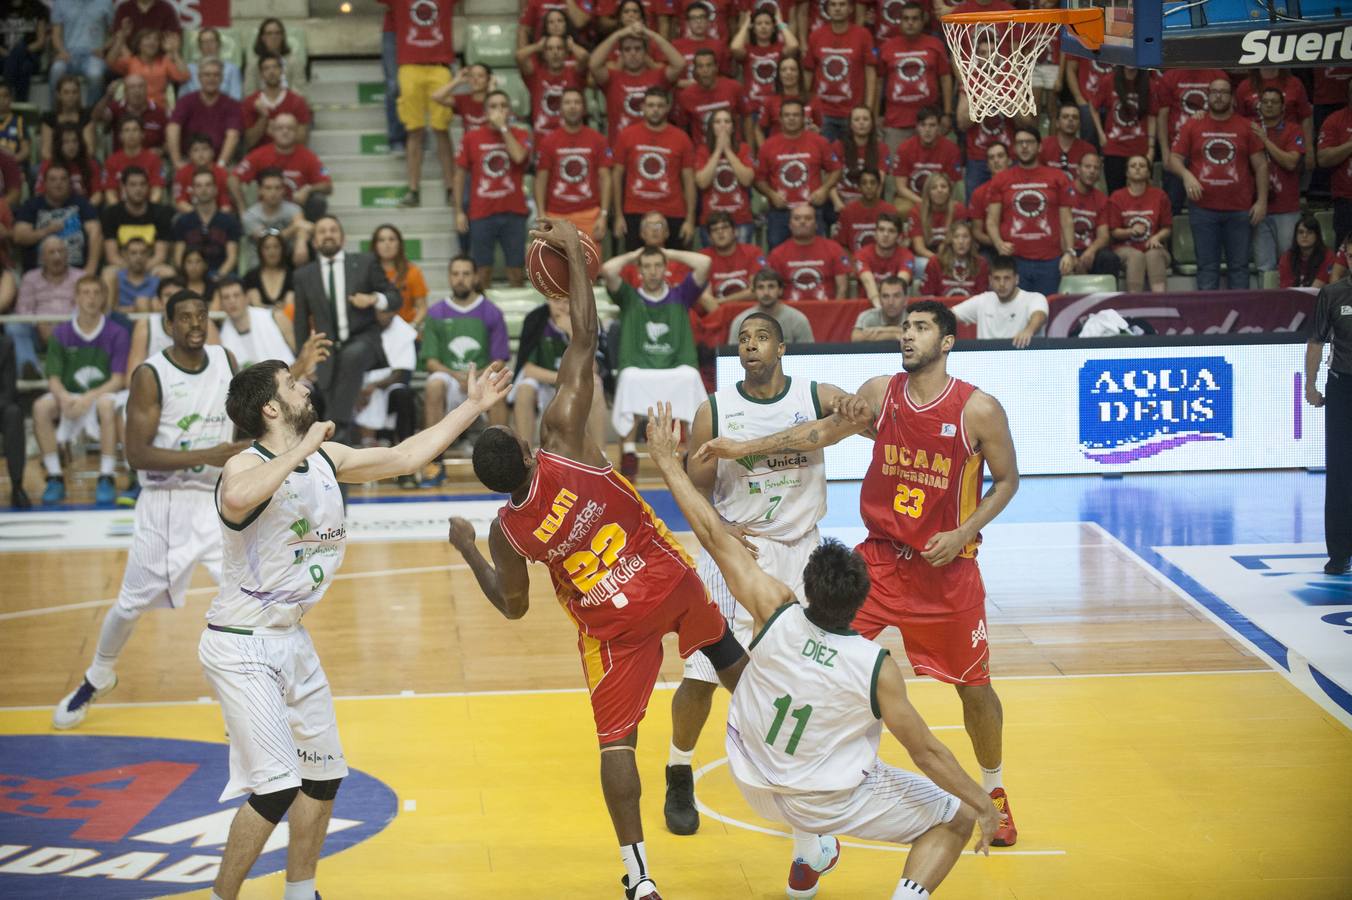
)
(774, 501)
(178, 437)
(253, 333)
(284, 535)
(806, 717)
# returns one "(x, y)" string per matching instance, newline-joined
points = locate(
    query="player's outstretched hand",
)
(664, 433)
(854, 409)
(486, 389)
(988, 821)
(319, 433)
(719, 448)
(740, 533)
(461, 534)
(557, 233)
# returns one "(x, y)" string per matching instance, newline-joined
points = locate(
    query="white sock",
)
(107, 463)
(629, 447)
(300, 890)
(52, 463)
(635, 859)
(909, 890)
(992, 778)
(113, 634)
(679, 757)
(808, 848)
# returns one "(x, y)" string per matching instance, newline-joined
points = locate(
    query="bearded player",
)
(619, 574)
(933, 434)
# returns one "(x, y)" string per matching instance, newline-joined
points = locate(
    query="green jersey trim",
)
(788, 383)
(206, 361)
(248, 520)
(713, 414)
(768, 622)
(303, 467)
(873, 684)
(816, 402)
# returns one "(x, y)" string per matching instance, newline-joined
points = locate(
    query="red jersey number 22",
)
(587, 568)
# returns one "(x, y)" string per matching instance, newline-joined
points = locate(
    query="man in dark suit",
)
(340, 295)
(11, 425)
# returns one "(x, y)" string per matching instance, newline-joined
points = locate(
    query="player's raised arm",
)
(760, 594)
(563, 427)
(504, 581)
(358, 466)
(928, 753)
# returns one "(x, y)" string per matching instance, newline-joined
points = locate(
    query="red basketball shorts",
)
(940, 611)
(621, 671)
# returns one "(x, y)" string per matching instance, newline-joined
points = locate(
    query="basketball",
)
(548, 268)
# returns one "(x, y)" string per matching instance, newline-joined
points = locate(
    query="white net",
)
(995, 61)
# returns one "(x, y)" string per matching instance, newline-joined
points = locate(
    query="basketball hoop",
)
(995, 53)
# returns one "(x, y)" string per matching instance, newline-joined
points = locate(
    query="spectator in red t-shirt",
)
(1087, 80)
(859, 148)
(1296, 107)
(207, 111)
(200, 155)
(531, 24)
(928, 222)
(812, 267)
(1180, 94)
(922, 155)
(307, 180)
(1335, 152)
(133, 153)
(957, 270)
(424, 53)
(789, 85)
(735, 262)
(548, 76)
(979, 137)
(699, 36)
(1307, 263)
(997, 160)
(135, 104)
(759, 44)
(724, 171)
(917, 75)
(844, 64)
(1284, 144)
(1225, 173)
(1140, 221)
(654, 172)
(1089, 219)
(884, 257)
(465, 93)
(271, 100)
(495, 155)
(709, 92)
(858, 218)
(1127, 126)
(794, 166)
(1028, 217)
(1063, 148)
(627, 82)
(572, 170)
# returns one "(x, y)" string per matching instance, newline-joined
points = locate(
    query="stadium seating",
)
(492, 45)
(1087, 284)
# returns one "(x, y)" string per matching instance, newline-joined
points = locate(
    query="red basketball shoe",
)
(1006, 835)
(803, 877)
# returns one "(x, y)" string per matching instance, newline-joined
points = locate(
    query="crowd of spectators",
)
(762, 151)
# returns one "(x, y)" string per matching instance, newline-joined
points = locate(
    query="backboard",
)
(1220, 34)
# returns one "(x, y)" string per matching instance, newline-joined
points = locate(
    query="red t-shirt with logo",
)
(653, 162)
(624, 97)
(1184, 93)
(964, 279)
(758, 73)
(1297, 106)
(546, 92)
(496, 184)
(725, 194)
(1092, 77)
(573, 163)
(939, 223)
(868, 259)
(809, 270)
(980, 199)
(848, 185)
(696, 103)
(120, 161)
(1330, 85)
(1126, 126)
(291, 104)
(183, 185)
(1286, 273)
(1337, 130)
(720, 15)
(1068, 161)
(794, 166)
(688, 47)
(915, 162)
(769, 112)
(837, 63)
(1284, 185)
(1030, 214)
(153, 121)
(1088, 210)
(991, 130)
(1151, 209)
(887, 19)
(913, 67)
(422, 33)
(1217, 153)
(857, 223)
(734, 272)
(533, 13)
(299, 168)
(469, 111)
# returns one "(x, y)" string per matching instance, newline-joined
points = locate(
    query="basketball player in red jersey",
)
(620, 575)
(921, 500)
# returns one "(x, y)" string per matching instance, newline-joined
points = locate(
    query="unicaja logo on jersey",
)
(1133, 409)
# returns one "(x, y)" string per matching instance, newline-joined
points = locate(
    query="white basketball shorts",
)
(890, 805)
(278, 710)
(784, 561)
(173, 531)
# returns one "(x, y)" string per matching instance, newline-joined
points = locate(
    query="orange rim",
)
(1087, 24)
